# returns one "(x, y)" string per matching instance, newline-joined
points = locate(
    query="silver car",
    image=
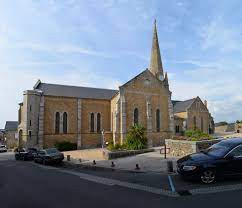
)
(3, 148)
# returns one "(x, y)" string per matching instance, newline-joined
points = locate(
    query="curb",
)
(94, 167)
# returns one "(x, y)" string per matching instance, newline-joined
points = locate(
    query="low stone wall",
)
(102, 154)
(87, 154)
(117, 154)
(179, 148)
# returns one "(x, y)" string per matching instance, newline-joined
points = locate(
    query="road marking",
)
(216, 189)
(171, 184)
(45, 166)
(172, 193)
(112, 182)
(9, 165)
(98, 180)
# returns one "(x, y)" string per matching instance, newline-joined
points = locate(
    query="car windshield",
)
(52, 151)
(219, 149)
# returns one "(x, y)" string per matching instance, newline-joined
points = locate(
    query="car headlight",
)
(189, 167)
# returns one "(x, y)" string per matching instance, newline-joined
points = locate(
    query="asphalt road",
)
(24, 184)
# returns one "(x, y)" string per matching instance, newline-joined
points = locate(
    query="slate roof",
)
(181, 106)
(11, 126)
(75, 91)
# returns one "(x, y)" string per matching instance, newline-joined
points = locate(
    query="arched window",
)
(136, 116)
(201, 123)
(65, 123)
(92, 122)
(158, 120)
(57, 122)
(98, 122)
(194, 122)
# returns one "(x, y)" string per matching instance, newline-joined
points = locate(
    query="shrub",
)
(65, 146)
(136, 138)
(113, 147)
(110, 146)
(196, 135)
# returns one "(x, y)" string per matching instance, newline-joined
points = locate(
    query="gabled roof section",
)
(146, 70)
(11, 126)
(182, 106)
(37, 84)
(140, 74)
(75, 91)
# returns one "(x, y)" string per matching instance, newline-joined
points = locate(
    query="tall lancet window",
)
(57, 122)
(92, 122)
(136, 116)
(194, 122)
(65, 123)
(158, 120)
(201, 123)
(98, 122)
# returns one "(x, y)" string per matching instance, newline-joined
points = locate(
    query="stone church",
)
(53, 113)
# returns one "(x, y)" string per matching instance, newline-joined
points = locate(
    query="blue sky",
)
(104, 43)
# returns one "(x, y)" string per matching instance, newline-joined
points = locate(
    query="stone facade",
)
(11, 139)
(147, 94)
(229, 128)
(179, 148)
(10, 134)
(2, 136)
(194, 115)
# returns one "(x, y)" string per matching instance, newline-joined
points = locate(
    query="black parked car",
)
(49, 156)
(220, 160)
(22, 154)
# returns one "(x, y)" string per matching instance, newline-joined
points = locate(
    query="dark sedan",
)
(22, 154)
(223, 159)
(49, 156)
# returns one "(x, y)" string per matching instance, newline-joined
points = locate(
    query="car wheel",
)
(208, 176)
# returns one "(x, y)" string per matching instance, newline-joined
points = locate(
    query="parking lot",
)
(171, 183)
(167, 182)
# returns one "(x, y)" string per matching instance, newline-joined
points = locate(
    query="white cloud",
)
(219, 86)
(217, 34)
(218, 81)
(63, 48)
(13, 83)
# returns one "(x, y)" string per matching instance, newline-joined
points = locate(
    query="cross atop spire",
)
(155, 59)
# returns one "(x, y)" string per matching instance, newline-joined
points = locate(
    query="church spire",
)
(155, 60)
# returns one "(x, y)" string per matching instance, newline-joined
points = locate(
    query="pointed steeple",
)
(155, 59)
(166, 80)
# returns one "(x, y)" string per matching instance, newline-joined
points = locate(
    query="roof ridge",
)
(78, 86)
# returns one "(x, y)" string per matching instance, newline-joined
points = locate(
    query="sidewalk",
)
(147, 162)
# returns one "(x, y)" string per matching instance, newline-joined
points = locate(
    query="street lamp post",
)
(103, 139)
